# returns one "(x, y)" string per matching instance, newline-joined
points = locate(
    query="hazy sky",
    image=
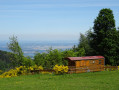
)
(51, 19)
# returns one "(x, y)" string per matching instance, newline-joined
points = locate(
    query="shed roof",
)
(85, 58)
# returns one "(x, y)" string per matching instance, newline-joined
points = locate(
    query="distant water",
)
(31, 47)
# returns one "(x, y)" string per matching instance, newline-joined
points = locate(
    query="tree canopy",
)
(104, 36)
(17, 54)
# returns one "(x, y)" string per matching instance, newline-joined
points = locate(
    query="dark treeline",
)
(102, 39)
(4, 60)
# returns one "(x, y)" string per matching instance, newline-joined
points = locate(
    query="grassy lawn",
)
(107, 80)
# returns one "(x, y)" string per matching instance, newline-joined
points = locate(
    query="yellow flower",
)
(1, 76)
(0, 71)
(31, 68)
(118, 67)
(60, 69)
(40, 68)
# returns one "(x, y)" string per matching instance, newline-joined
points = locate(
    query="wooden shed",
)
(86, 64)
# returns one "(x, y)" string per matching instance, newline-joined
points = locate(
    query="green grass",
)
(107, 80)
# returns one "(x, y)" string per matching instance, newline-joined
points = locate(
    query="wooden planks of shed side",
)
(89, 65)
(83, 63)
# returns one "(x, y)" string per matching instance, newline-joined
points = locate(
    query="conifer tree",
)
(104, 36)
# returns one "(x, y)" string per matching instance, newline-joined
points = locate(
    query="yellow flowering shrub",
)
(60, 69)
(10, 73)
(35, 67)
(117, 67)
(22, 70)
(1, 71)
(31, 68)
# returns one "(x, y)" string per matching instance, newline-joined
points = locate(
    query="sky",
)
(51, 19)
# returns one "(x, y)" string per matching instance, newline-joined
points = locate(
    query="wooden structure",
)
(86, 64)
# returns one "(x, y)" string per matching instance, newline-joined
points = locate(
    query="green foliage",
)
(14, 46)
(52, 57)
(117, 48)
(4, 60)
(17, 56)
(28, 62)
(2, 65)
(81, 52)
(68, 53)
(14, 60)
(84, 42)
(1, 71)
(39, 59)
(49, 59)
(104, 36)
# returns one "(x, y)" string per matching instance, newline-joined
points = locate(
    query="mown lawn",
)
(107, 80)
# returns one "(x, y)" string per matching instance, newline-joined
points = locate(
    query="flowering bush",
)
(35, 67)
(10, 73)
(60, 69)
(22, 70)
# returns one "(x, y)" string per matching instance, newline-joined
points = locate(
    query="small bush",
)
(118, 67)
(10, 73)
(60, 69)
(35, 69)
(1, 71)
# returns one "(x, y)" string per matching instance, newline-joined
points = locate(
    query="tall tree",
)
(104, 36)
(17, 56)
(117, 48)
(84, 42)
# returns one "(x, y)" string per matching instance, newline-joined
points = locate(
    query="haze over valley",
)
(31, 47)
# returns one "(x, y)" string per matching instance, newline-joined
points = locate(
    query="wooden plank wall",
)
(83, 63)
(91, 69)
(89, 65)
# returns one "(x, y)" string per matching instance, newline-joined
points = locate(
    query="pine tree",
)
(104, 36)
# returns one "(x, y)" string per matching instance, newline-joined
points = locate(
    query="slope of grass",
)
(107, 80)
